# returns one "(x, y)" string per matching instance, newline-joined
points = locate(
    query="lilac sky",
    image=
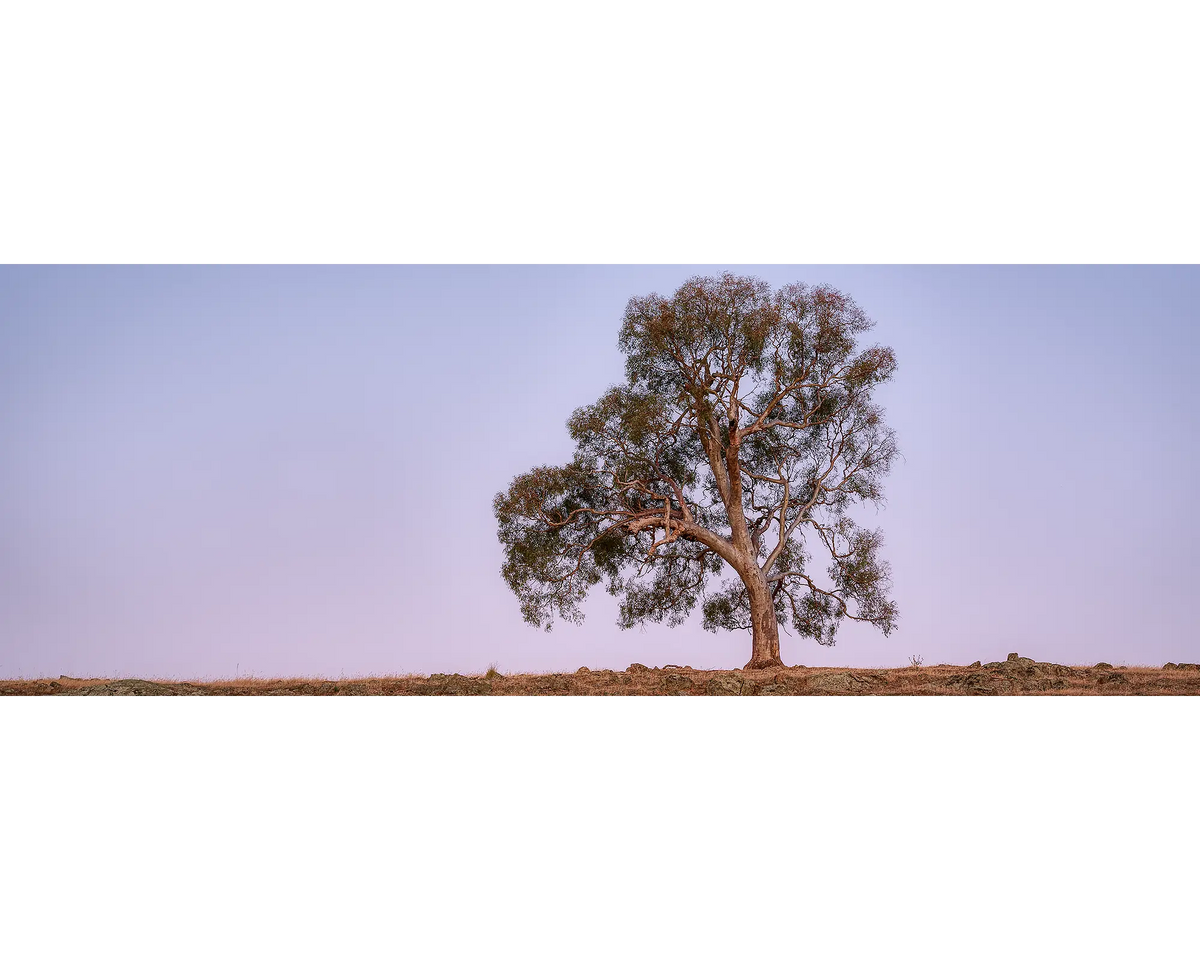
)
(286, 471)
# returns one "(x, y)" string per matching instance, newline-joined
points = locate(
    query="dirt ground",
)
(1014, 676)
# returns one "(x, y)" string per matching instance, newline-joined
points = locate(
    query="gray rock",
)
(843, 682)
(975, 683)
(676, 683)
(1103, 666)
(725, 686)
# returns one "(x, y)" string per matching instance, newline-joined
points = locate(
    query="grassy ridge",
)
(1015, 676)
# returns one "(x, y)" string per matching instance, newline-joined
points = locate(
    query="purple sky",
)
(289, 470)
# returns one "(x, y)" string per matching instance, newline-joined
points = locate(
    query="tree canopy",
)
(743, 436)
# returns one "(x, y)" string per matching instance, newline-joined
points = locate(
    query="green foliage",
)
(743, 436)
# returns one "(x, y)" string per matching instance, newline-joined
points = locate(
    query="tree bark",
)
(764, 625)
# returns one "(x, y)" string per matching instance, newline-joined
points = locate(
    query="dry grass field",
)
(1014, 676)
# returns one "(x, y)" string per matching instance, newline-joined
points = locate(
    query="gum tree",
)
(724, 470)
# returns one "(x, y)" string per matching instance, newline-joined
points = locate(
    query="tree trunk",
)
(764, 625)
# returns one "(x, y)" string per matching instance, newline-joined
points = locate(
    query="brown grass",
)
(1004, 678)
